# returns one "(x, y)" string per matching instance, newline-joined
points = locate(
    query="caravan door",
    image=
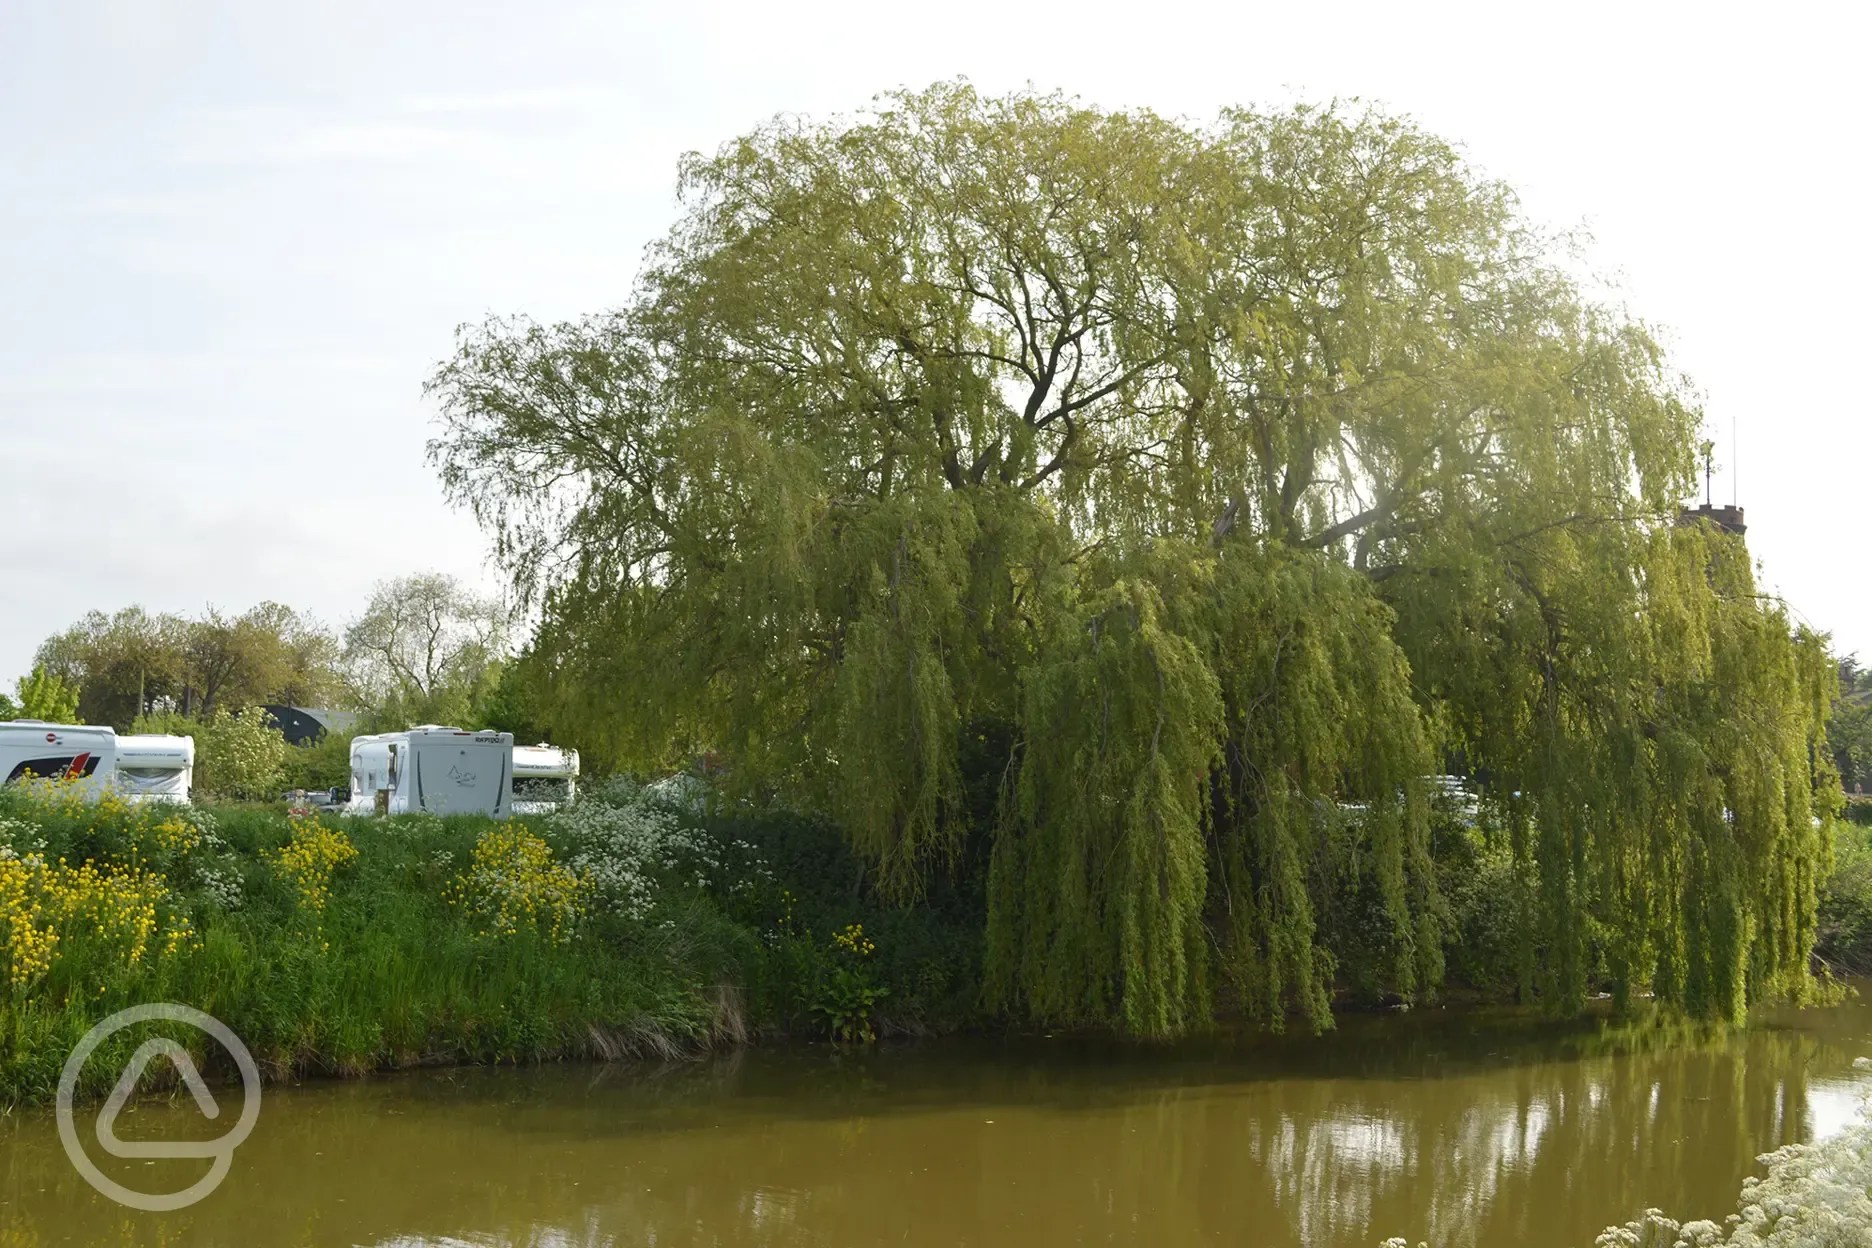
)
(370, 773)
(451, 772)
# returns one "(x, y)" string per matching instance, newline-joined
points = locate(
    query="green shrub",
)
(1844, 941)
(348, 944)
(321, 764)
(320, 958)
(1482, 892)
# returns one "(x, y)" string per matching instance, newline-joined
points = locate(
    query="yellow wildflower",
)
(310, 859)
(515, 882)
(44, 907)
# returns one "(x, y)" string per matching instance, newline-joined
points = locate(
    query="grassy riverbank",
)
(339, 945)
(633, 924)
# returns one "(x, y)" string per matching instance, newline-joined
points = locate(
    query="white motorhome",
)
(443, 771)
(545, 778)
(81, 753)
(153, 768)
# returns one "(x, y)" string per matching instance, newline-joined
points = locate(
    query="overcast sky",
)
(235, 238)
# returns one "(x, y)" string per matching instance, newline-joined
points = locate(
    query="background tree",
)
(43, 695)
(425, 649)
(1225, 477)
(127, 663)
(506, 700)
(1849, 735)
(269, 654)
(132, 663)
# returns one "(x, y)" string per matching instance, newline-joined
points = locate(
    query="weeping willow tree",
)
(1238, 475)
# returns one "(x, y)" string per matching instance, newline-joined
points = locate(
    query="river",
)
(1460, 1127)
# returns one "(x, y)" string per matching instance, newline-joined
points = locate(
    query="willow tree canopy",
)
(1235, 475)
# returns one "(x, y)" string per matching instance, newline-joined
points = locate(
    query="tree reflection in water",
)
(1451, 1127)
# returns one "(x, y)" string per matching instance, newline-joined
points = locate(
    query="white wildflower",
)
(628, 842)
(17, 837)
(223, 888)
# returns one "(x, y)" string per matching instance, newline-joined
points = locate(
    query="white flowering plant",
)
(635, 847)
(417, 825)
(221, 888)
(19, 839)
(1815, 1195)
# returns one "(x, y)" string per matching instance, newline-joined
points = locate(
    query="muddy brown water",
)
(1458, 1127)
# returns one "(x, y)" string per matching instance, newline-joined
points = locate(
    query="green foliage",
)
(1661, 724)
(803, 884)
(504, 702)
(1482, 887)
(44, 695)
(132, 662)
(243, 754)
(321, 764)
(388, 975)
(1099, 876)
(1849, 733)
(1322, 824)
(1844, 940)
(1223, 477)
(425, 650)
(126, 662)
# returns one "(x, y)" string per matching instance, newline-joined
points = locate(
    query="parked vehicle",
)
(336, 800)
(155, 768)
(444, 771)
(545, 778)
(81, 753)
(143, 767)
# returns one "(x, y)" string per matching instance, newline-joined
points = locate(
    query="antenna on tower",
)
(1735, 461)
(1728, 519)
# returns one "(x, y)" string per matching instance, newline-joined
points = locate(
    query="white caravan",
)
(81, 753)
(152, 768)
(444, 771)
(545, 778)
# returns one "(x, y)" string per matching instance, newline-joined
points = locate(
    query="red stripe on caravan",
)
(77, 766)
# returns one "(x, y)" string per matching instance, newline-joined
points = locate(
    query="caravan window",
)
(169, 781)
